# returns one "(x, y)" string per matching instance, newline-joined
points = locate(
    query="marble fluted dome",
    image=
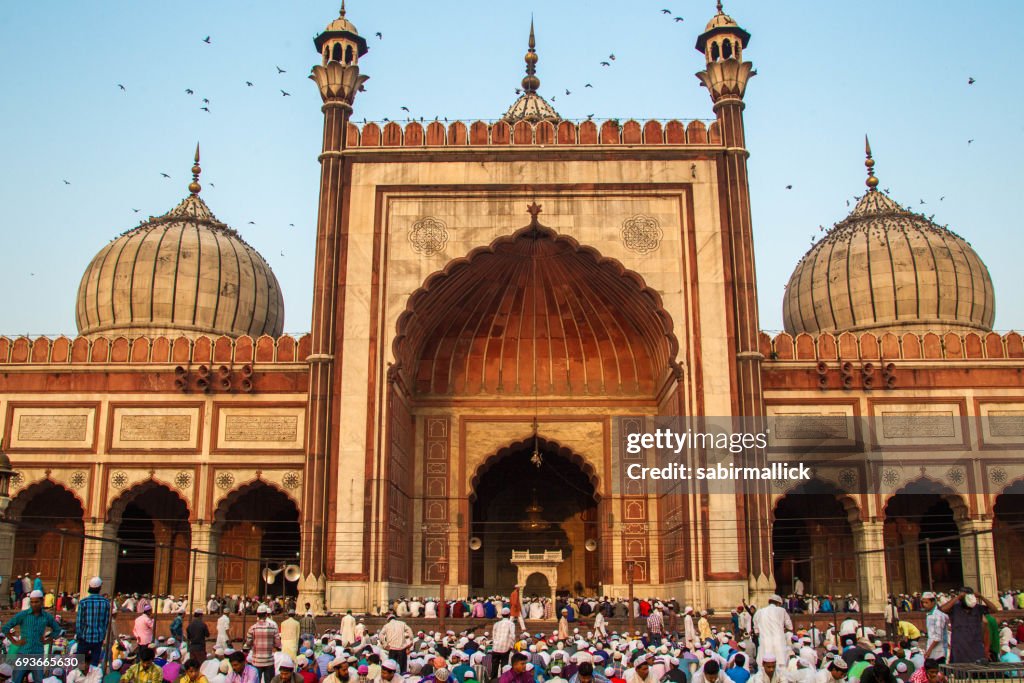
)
(884, 267)
(181, 273)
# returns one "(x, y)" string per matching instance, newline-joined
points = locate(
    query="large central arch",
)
(522, 502)
(535, 312)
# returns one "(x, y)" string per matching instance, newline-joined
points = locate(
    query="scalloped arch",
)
(225, 503)
(27, 494)
(115, 508)
(494, 322)
(545, 446)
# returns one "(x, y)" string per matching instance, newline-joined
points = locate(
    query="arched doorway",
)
(922, 538)
(1008, 536)
(154, 540)
(49, 532)
(261, 523)
(812, 539)
(527, 503)
(536, 586)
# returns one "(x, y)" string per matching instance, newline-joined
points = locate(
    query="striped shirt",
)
(32, 628)
(263, 638)
(93, 619)
(654, 622)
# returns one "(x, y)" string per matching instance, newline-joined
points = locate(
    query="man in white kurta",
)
(223, 624)
(690, 629)
(770, 624)
(348, 629)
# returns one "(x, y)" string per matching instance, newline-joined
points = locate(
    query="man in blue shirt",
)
(92, 623)
(32, 636)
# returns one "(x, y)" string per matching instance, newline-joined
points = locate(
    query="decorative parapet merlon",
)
(65, 351)
(543, 133)
(889, 346)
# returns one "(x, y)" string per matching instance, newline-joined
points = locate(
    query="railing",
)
(546, 556)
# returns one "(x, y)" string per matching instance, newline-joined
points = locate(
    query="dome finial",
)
(719, 6)
(342, 9)
(530, 82)
(872, 181)
(194, 187)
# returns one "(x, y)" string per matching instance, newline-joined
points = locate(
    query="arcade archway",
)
(922, 538)
(1008, 536)
(259, 522)
(812, 540)
(534, 503)
(154, 540)
(48, 539)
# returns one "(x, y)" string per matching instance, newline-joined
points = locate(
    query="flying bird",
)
(405, 108)
(553, 98)
(190, 91)
(66, 182)
(942, 197)
(519, 91)
(279, 69)
(922, 201)
(206, 40)
(252, 222)
(291, 225)
(165, 175)
(678, 19)
(606, 63)
(212, 185)
(285, 94)
(789, 187)
(612, 56)
(588, 85)
(249, 83)
(380, 36)
(590, 116)
(666, 11)
(206, 109)
(121, 86)
(970, 141)
(970, 80)
(568, 92)
(206, 101)
(282, 252)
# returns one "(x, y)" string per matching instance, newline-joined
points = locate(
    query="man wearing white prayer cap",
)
(32, 624)
(771, 624)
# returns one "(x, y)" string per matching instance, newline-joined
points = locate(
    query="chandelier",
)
(534, 521)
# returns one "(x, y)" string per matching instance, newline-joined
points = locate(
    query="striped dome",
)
(181, 273)
(884, 267)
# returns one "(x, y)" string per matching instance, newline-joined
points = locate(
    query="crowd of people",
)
(669, 643)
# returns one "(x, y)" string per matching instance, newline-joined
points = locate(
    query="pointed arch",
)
(496, 322)
(545, 446)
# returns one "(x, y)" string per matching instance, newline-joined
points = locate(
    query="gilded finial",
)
(872, 181)
(342, 9)
(194, 187)
(530, 82)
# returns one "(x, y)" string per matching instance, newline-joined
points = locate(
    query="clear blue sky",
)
(828, 73)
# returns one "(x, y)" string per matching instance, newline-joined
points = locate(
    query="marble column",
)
(869, 543)
(977, 557)
(7, 533)
(99, 555)
(203, 582)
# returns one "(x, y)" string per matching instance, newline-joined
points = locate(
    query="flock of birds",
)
(856, 198)
(603, 63)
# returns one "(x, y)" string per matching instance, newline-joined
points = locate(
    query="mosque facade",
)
(495, 305)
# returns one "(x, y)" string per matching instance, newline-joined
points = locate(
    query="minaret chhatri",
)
(338, 78)
(725, 76)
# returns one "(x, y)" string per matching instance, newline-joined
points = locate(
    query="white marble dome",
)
(181, 273)
(884, 267)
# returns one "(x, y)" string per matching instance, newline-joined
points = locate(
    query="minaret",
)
(725, 76)
(337, 76)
